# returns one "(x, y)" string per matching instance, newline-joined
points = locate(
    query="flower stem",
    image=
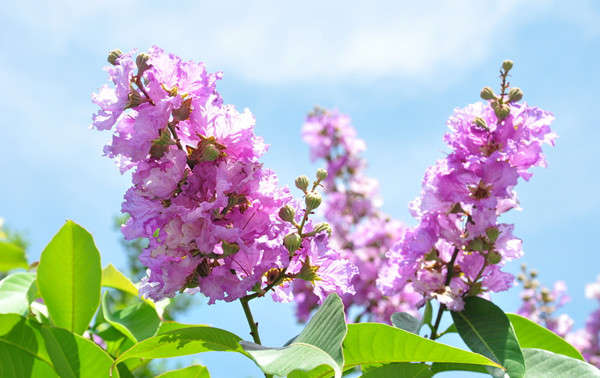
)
(253, 325)
(450, 269)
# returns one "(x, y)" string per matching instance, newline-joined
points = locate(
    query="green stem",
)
(253, 325)
(449, 270)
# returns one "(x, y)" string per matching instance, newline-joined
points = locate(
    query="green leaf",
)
(439, 367)
(399, 370)
(319, 343)
(17, 291)
(138, 321)
(374, 343)
(11, 257)
(116, 342)
(22, 349)
(112, 277)
(194, 371)
(532, 335)
(74, 356)
(542, 363)
(484, 327)
(406, 321)
(69, 278)
(182, 342)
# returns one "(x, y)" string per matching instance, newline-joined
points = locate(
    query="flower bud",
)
(515, 94)
(134, 99)
(492, 234)
(493, 258)
(321, 174)
(533, 273)
(113, 56)
(476, 244)
(142, 63)
(292, 242)
(487, 93)
(507, 65)
(302, 183)
(287, 213)
(321, 227)
(481, 123)
(312, 200)
(502, 111)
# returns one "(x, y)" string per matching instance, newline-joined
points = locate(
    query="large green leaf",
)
(399, 370)
(184, 341)
(69, 278)
(22, 349)
(138, 321)
(532, 335)
(11, 257)
(17, 291)
(319, 343)
(74, 356)
(406, 321)
(485, 328)
(374, 343)
(542, 363)
(194, 371)
(112, 277)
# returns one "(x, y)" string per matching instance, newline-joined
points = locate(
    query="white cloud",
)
(275, 42)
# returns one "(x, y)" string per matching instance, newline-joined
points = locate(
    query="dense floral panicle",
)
(353, 209)
(462, 197)
(200, 194)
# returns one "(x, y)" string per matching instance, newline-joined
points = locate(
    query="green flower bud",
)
(321, 174)
(302, 183)
(476, 244)
(287, 213)
(481, 123)
(493, 258)
(312, 200)
(134, 99)
(487, 93)
(160, 145)
(533, 273)
(229, 248)
(475, 289)
(507, 65)
(142, 63)
(113, 56)
(492, 234)
(515, 94)
(502, 111)
(292, 242)
(321, 227)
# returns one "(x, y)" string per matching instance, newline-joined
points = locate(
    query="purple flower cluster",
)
(458, 247)
(540, 304)
(353, 209)
(208, 207)
(587, 340)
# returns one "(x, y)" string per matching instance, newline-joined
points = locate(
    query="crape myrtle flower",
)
(353, 209)
(199, 193)
(587, 340)
(459, 247)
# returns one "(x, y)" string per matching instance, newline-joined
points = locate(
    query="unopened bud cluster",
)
(501, 103)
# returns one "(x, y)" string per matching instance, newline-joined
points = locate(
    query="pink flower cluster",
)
(353, 209)
(587, 340)
(540, 303)
(459, 247)
(200, 195)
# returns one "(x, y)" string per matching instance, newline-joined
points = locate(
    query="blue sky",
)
(398, 69)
